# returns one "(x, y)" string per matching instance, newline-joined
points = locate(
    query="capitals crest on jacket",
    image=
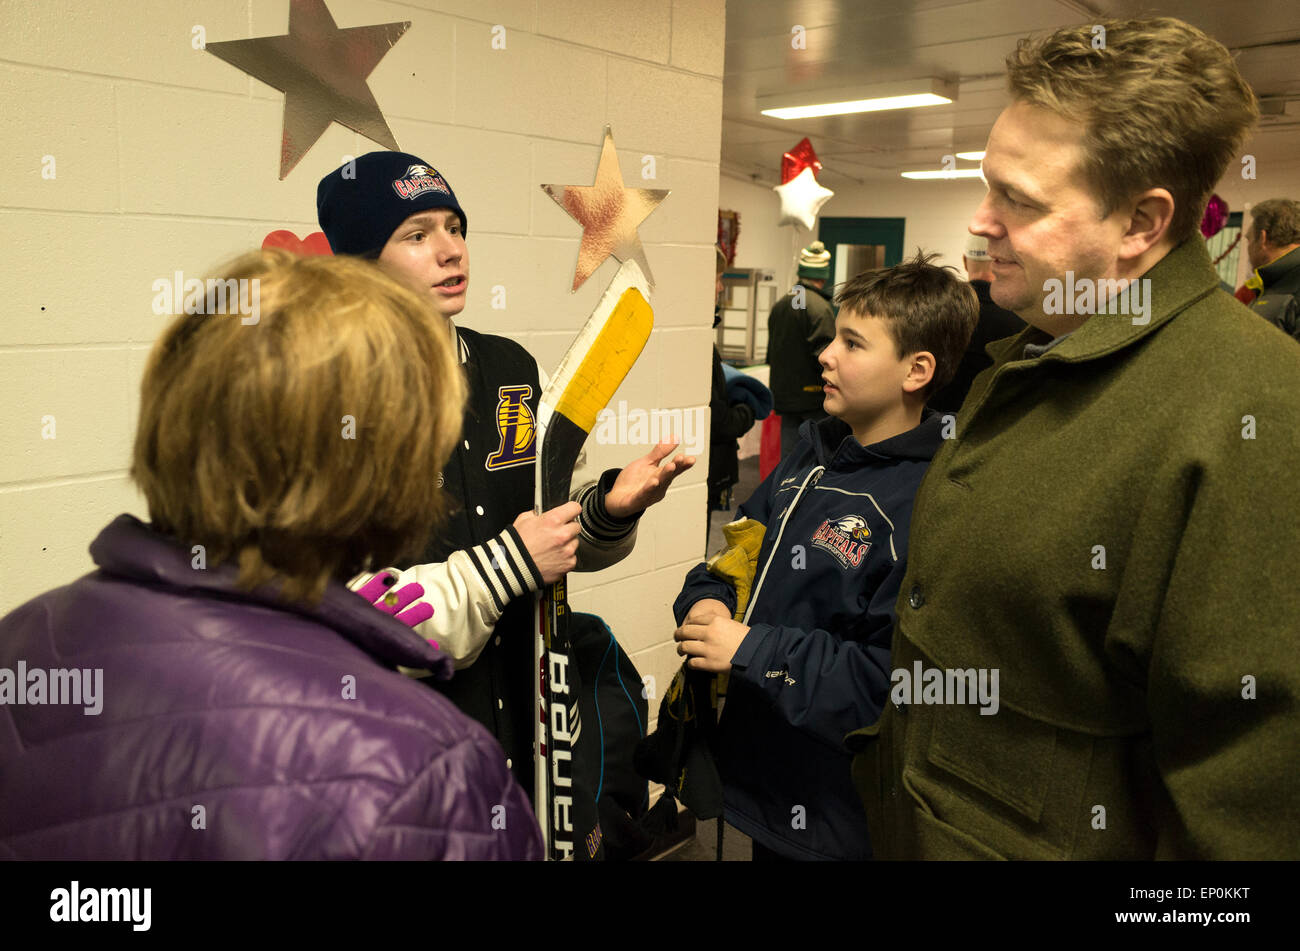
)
(516, 427)
(845, 538)
(418, 180)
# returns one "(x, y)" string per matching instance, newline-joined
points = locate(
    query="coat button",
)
(466, 443)
(916, 597)
(500, 704)
(479, 509)
(509, 764)
(497, 641)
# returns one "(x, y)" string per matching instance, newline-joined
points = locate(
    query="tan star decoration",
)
(609, 213)
(322, 72)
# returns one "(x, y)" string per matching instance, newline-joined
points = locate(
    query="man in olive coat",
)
(1095, 653)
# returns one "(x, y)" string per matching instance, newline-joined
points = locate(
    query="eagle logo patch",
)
(845, 538)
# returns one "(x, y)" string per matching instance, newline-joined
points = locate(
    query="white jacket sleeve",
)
(469, 591)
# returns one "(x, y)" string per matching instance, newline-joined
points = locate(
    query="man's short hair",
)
(1163, 106)
(1280, 217)
(924, 307)
(303, 447)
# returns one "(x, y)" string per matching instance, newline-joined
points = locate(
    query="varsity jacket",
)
(1110, 529)
(815, 663)
(477, 573)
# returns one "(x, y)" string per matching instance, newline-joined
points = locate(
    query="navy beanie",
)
(360, 204)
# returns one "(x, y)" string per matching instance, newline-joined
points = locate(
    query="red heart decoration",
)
(311, 245)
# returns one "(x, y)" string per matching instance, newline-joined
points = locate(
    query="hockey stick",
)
(590, 372)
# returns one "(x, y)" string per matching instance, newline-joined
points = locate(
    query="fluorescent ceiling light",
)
(848, 100)
(851, 106)
(942, 173)
(971, 156)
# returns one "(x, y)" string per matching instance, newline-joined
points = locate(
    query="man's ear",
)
(1149, 220)
(920, 373)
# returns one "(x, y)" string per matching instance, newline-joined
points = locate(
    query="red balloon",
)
(797, 159)
(313, 244)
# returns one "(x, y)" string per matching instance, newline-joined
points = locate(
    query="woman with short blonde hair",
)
(246, 704)
(302, 445)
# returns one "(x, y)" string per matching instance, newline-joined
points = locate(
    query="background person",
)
(1273, 246)
(995, 323)
(251, 708)
(729, 419)
(799, 327)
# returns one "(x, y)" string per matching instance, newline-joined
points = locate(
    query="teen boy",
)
(481, 571)
(811, 661)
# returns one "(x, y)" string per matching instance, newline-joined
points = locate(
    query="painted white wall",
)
(762, 243)
(168, 159)
(935, 216)
(935, 213)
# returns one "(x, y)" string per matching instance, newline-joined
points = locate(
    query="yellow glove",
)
(737, 564)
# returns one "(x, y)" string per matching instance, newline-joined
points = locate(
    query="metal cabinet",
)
(748, 296)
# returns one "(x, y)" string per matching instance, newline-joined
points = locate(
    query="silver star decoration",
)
(322, 72)
(609, 213)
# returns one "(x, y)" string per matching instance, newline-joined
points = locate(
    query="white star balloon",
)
(801, 199)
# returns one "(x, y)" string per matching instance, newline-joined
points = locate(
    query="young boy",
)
(482, 570)
(810, 663)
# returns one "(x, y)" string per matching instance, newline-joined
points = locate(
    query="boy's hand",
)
(705, 610)
(643, 482)
(710, 645)
(552, 539)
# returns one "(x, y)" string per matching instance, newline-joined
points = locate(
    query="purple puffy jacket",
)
(240, 704)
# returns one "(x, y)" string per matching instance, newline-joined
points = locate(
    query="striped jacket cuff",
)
(506, 567)
(595, 519)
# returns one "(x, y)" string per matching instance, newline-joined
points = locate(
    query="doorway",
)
(860, 244)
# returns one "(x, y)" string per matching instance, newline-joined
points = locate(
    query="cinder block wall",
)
(165, 158)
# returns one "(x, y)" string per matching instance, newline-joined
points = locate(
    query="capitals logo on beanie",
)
(360, 204)
(418, 180)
